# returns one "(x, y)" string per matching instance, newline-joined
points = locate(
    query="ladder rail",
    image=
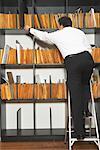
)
(94, 112)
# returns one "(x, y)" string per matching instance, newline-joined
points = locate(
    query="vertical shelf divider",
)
(18, 119)
(50, 120)
(34, 107)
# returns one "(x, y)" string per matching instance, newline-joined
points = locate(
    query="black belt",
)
(72, 55)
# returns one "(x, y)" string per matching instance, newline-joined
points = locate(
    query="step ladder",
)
(90, 138)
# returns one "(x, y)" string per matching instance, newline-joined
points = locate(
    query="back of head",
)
(65, 21)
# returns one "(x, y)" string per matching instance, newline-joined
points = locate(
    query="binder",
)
(5, 54)
(10, 77)
(18, 47)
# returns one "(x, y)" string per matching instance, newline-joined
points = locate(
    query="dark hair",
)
(65, 21)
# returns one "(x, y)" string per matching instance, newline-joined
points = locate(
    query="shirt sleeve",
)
(42, 35)
(87, 45)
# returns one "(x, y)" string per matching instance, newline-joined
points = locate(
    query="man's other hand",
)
(26, 28)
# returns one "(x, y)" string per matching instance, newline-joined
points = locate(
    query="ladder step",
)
(86, 131)
(85, 139)
(89, 117)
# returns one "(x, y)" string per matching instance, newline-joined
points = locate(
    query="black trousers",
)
(79, 68)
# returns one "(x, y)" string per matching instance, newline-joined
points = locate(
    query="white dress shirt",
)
(69, 40)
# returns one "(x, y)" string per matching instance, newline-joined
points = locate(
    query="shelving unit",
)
(30, 134)
(39, 6)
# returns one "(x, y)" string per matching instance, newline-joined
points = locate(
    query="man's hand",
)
(26, 28)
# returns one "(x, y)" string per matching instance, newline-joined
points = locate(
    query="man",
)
(74, 48)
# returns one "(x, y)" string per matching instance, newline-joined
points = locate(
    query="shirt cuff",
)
(29, 30)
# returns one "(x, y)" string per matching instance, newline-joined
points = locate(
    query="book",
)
(8, 92)
(3, 94)
(36, 21)
(5, 54)
(10, 77)
(11, 19)
(12, 59)
(10, 83)
(93, 19)
(46, 90)
(18, 48)
(28, 19)
(1, 55)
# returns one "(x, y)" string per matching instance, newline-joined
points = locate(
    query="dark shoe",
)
(80, 137)
(87, 114)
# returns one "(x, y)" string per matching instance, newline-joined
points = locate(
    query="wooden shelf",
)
(97, 99)
(89, 30)
(51, 100)
(49, 65)
(30, 66)
(22, 31)
(17, 66)
(31, 134)
(14, 31)
(97, 64)
(34, 101)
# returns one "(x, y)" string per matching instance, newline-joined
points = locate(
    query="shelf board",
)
(31, 134)
(97, 99)
(89, 30)
(37, 66)
(17, 66)
(14, 31)
(34, 101)
(97, 64)
(30, 66)
(49, 65)
(22, 31)
(52, 100)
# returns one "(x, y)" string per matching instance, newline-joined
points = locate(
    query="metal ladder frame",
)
(71, 140)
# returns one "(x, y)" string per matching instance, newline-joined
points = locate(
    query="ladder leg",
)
(94, 115)
(69, 121)
(66, 122)
(66, 114)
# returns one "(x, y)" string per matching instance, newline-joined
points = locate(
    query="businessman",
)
(75, 49)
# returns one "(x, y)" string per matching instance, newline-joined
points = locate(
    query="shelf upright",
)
(33, 38)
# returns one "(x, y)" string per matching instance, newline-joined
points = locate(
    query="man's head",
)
(64, 22)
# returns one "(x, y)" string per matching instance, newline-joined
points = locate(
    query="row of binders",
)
(9, 55)
(47, 21)
(39, 91)
(11, 90)
(19, 55)
(36, 91)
